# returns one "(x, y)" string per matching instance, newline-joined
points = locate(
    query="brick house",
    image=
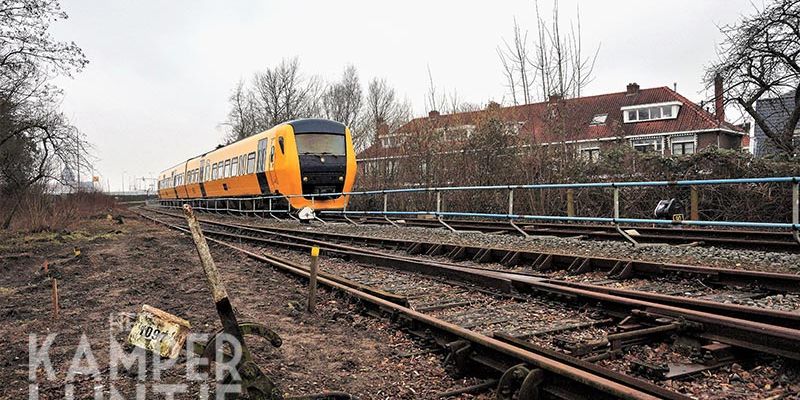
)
(657, 120)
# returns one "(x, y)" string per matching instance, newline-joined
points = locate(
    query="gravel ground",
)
(757, 260)
(122, 266)
(765, 378)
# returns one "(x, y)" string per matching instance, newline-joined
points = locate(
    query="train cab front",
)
(322, 149)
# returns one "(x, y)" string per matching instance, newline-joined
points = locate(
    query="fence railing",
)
(439, 211)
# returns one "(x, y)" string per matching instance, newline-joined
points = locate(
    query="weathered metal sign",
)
(159, 331)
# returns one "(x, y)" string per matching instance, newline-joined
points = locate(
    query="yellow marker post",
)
(312, 279)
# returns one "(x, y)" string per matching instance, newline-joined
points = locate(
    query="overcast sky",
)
(156, 88)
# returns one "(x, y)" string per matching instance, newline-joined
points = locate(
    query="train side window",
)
(251, 163)
(235, 166)
(226, 172)
(214, 172)
(271, 155)
(242, 165)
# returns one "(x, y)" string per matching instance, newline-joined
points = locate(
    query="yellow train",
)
(301, 157)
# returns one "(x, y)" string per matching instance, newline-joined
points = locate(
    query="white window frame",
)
(654, 141)
(682, 139)
(599, 119)
(675, 109)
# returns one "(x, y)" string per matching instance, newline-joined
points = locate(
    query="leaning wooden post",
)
(694, 212)
(223, 305)
(570, 202)
(312, 279)
(54, 296)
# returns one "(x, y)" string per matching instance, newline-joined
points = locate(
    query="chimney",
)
(633, 88)
(719, 105)
(433, 114)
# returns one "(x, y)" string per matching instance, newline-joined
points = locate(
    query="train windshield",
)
(320, 143)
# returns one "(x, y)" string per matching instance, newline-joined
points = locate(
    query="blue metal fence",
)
(511, 216)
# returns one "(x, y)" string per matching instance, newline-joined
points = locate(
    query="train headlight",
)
(341, 178)
(305, 179)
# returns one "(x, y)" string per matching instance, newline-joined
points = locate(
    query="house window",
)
(599, 119)
(651, 112)
(655, 145)
(591, 154)
(682, 148)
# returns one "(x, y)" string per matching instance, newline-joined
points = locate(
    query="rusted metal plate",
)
(159, 331)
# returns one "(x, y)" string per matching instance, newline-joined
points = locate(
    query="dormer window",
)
(651, 112)
(599, 119)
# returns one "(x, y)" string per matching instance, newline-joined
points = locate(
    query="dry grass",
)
(44, 212)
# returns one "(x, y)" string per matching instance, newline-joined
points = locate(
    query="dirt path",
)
(122, 266)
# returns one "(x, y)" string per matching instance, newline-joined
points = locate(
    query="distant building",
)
(775, 111)
(657, 120)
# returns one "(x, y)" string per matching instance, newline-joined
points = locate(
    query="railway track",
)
(498, 305)
(682, 285)
(737, 238)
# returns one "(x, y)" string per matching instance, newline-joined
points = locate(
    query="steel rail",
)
(740, 332)
(592, 381)
(723, 276)
(725, 237)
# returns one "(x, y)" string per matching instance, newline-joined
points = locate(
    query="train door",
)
(273, 175)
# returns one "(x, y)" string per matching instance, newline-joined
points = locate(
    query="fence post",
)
(386, 209)
(796, 204)
(438, 202)
(510, 202)
(616, 217)
(312, 279)
(570, 203)
(694, 208)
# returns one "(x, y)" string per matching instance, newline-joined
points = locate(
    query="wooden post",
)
(54, 296)
(694, 211)
(224, 308)
(570, 203)
(312, 279)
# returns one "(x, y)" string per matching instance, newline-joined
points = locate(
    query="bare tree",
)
(382, 105)
(243, 116)
(759, 59)
(278, 94)
(434, 101)
(517, 65)
(556, 64)
(283, 93)
(342, 100)
(36, 141)
(565, 69)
